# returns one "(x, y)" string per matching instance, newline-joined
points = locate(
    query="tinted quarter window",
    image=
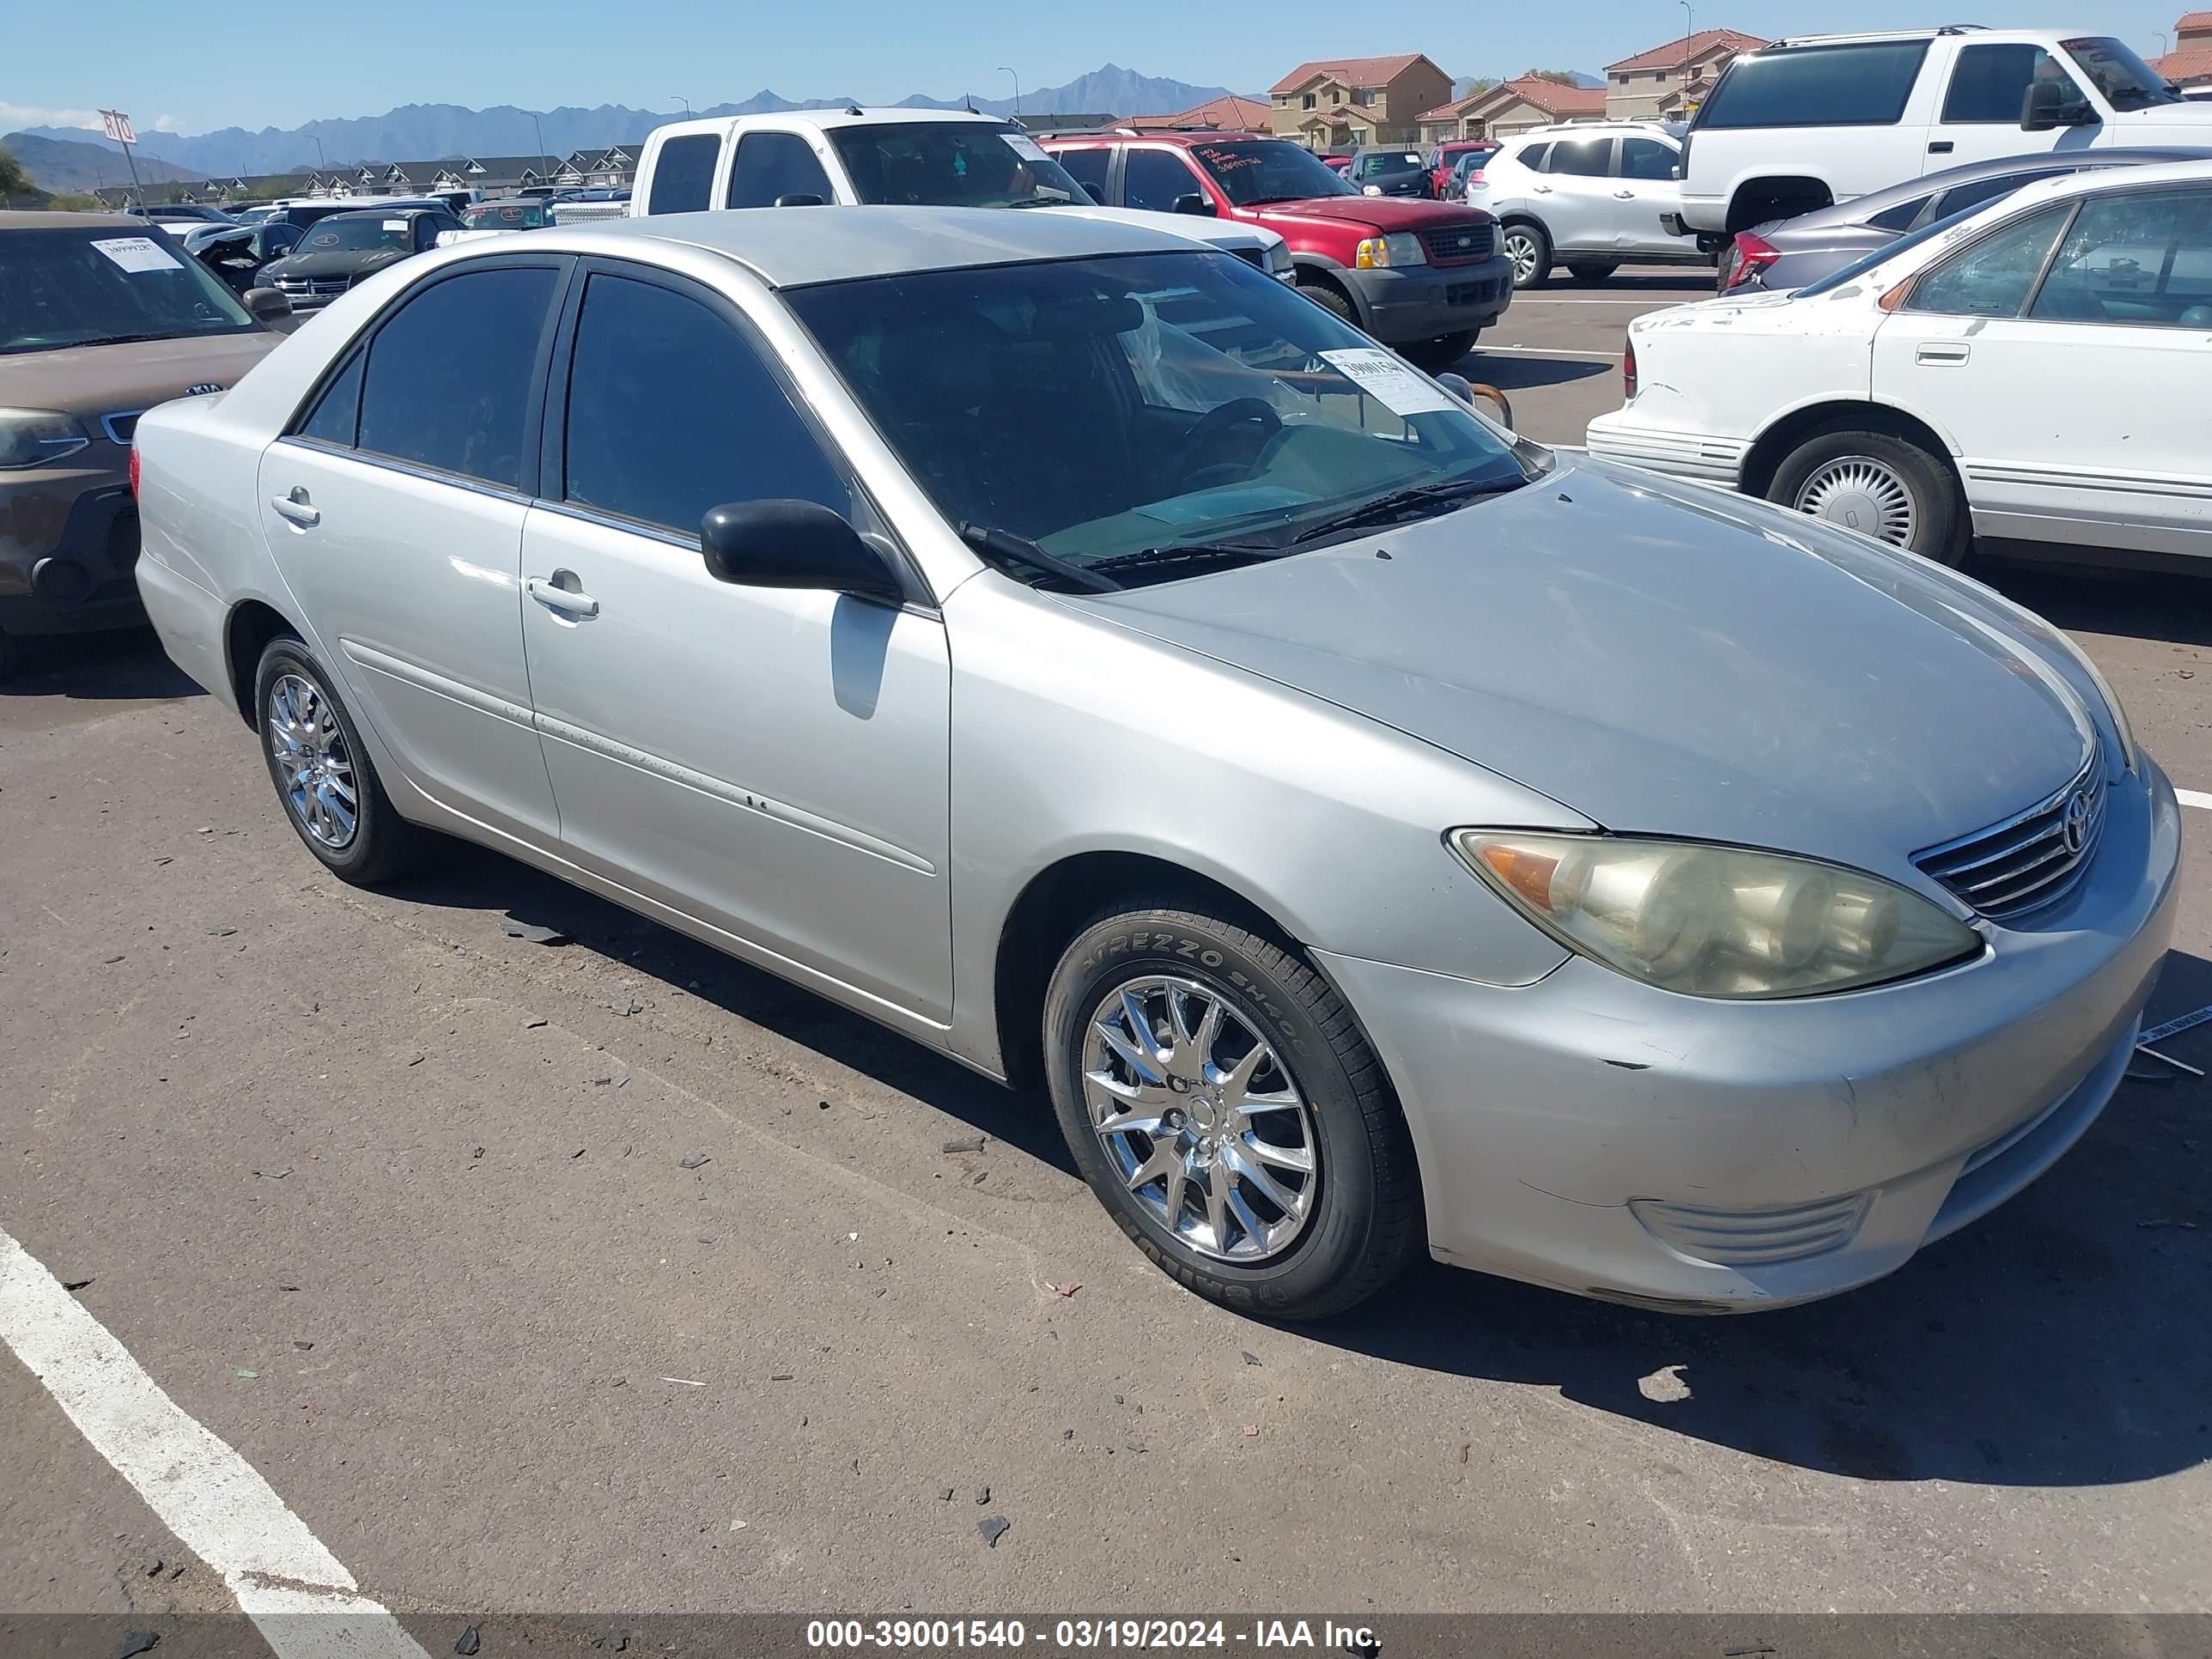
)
(1581, 158)
(1645, 158)
(1863, 85)
(773, 165)
(448, 380)
(1533, 156)
(1990, 82)
(1960, 198)
(684, 173)
(672, 411)
(336, 414)
(1154, 178)
(1899, 218)
(1087, 167)
(1994, 278)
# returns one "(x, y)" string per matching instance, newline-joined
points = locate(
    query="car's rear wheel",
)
(1880, 485)
(1223, 1105)
(1530, 251)
(1587, 272)
(322, 771)
(1443, 351)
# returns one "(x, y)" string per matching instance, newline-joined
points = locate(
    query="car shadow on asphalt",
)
(1522, 373)
(2060, 1340)
(126, 666)
(2175, 606)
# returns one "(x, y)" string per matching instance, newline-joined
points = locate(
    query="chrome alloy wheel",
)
(1861, 493)
(1521, 248)
(1200, 1118)
(312, 761)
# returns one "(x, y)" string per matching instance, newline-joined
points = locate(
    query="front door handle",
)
(1541, 190)
(553, 596)
(1941, 147)
(1625, 195)
(295, 507)
(1943, 352)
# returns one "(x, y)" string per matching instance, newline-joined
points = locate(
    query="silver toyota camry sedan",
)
(1085, 654)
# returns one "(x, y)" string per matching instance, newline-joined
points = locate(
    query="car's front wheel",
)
(1223, 1105)
(322, 771)
(1530, 251)
(1880, 485)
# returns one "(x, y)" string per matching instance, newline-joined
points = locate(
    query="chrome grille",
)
(2030, 859)
(316, 290)
(1459, 245)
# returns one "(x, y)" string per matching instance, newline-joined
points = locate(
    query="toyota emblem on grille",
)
(2076, 826)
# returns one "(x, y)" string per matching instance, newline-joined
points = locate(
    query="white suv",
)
(1590, 196)
(1805, 123)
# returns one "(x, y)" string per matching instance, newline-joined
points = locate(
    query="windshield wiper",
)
(1003, 548)
(1400, 502)
(1194, 553)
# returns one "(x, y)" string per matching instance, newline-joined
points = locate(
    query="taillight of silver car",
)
(1753, 254)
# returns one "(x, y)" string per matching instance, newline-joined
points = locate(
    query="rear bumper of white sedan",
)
(1703, 458)
(1596, 1134)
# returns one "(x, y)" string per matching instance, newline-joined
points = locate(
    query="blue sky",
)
(189, 66)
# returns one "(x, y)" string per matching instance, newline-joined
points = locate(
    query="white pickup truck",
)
(854, 157)
(1822, 118)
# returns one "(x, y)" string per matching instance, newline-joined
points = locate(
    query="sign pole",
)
(118, 129)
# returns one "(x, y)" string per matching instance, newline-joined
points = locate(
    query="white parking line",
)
(296, 1592)
(1626, 300)
(2193, 798)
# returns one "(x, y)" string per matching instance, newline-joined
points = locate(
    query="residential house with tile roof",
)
(1511, 107)
(2190, 64)
(1667, 82)
(1342, 103)
(1222, 115)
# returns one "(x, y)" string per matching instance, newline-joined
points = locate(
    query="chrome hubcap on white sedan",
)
(314, 766)
(1861, 493)
(1200, 1118)
(1521, 248)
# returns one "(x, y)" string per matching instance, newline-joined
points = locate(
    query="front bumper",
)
(1701, 457)
(69, 541)
(1595, 1135)
(1425, 302)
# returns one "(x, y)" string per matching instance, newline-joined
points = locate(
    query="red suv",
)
(1425, 277)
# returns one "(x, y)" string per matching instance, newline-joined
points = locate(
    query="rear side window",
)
(1645, 158)
(1994, 278)
(1854, 86)
(1087, 167)
(773, 165)
(1581, 158)
(1989, 84)
(448, 380)
(1154, 178)
(683, 174)
(672, 411)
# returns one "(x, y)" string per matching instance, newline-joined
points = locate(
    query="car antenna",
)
(967, 101)
(853, 109)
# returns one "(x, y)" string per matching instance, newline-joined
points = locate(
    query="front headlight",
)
(1716, 921)
(34, 437)
(1370, 189)
(1279, 263)
(1382, 252)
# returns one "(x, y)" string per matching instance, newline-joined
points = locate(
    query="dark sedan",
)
(1391, 172)
(1788, 253)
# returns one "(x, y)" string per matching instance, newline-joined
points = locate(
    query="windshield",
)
(1251, 170)
(2125, 80)
(1866, 262)
(506, 216)
(354, 233)
(1106, 408)
(99, 286)
(952, 164)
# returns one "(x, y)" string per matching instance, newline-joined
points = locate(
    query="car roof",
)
(1860, 209)
(1183, 135)
(795, 247)
(828, 120)
(26, 219)
(398, 207)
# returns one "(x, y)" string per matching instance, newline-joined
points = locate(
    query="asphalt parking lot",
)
(407, 1212)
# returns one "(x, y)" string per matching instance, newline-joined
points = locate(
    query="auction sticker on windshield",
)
(1383, 376)
(138, 253)
(1024, 146)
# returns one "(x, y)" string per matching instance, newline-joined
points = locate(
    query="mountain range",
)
(60, 166)
(430, 132)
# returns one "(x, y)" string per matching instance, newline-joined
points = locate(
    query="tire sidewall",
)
(1542, 269)
(288, 656)
(1331, 301)
(1936, 502)
(1138, 945)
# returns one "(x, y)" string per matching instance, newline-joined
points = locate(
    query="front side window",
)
(1152, 179)
(683, 174)
(771, 166)
(1989, 83)
(673, 412)
(107, 285)
(2140, 257)
(1104, 408)
(449, 375)
(1994, 278)
(1858, 85)
(951, 164)
(1255, 171)
(1645, 158)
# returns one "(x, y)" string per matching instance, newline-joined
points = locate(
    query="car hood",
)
(1663, 661)
(2192, 119)
(339, 262)
(1382, 213)
(109, 379)
(1220, 232)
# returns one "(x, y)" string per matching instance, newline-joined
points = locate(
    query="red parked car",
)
(1443, 157)
(1424, 277)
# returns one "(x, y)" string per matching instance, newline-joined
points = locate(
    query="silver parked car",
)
(1590, 196)
(1075, 650)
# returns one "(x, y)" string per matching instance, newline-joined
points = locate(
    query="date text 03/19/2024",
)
(927, 1634)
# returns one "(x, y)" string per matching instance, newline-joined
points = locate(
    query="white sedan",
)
(2035, 371)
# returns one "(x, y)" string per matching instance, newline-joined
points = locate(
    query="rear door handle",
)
(1950, 352)
(296, 509)
(554, 597)
(1941, 147)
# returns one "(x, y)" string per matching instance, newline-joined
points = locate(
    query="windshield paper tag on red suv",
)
(1383, 376)
(137, 253)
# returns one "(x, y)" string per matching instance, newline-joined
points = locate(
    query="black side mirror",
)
(1195, 205)
(2043, 106)
(785, 543)
(799, 199)
(268, 303)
